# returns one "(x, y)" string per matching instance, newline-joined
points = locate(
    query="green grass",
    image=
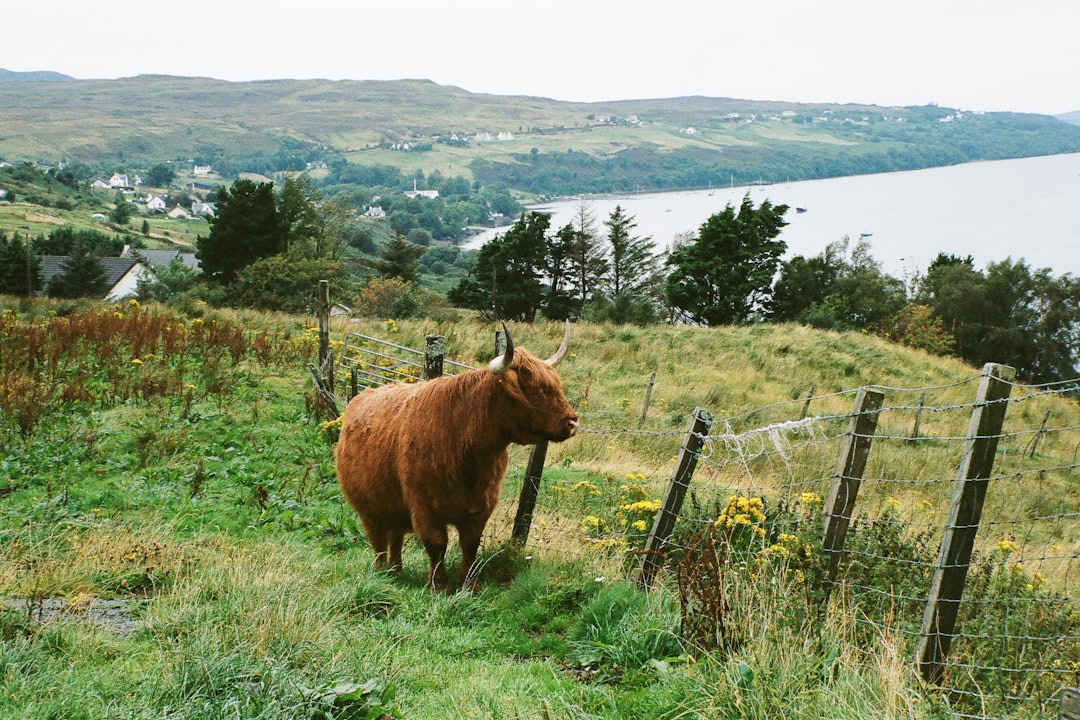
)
(212, 513)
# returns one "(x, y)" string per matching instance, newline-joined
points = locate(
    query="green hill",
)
(547, 146)
(175, 542)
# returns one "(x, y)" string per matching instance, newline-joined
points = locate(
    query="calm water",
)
(1027, 208)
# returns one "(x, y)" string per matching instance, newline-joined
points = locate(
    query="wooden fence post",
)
(846, 480)
(918, 418)
(671, 504)
(965, 511)
(326, 364)
(648, 396)
(806, 405)
(434, 350)
(1070, 704)
(529, 491)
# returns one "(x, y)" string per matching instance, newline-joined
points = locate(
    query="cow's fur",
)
(419, 458)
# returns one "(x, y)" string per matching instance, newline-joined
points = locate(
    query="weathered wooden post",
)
(323, 375)
(846, 480)
(1070, 704)
(326, 363)
(530, 489)
(965, 511)
(918, 418)
(648, 396)
(434, 350)
(806, 405)
(671, 503)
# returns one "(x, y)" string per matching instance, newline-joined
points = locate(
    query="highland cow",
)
(419, 458)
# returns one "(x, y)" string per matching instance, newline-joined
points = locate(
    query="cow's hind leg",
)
(379, 537)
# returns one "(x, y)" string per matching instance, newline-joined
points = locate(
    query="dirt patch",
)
(117, 615)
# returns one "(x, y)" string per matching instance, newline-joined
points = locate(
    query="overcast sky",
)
(969, 54)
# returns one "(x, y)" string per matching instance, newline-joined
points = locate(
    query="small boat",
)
(863, 235)
(800, 210)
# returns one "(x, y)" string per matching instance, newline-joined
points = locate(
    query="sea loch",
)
(1027, 208)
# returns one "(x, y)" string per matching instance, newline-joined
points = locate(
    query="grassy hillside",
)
(175, 543)
(140, 121)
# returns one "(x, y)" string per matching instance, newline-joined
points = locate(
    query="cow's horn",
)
(561, 352)
(500, 364)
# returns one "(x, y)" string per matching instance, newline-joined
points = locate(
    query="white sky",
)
(970, 54)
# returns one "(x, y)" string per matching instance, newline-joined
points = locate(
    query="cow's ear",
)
(502, 363)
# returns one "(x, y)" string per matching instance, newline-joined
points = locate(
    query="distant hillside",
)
(1072, 117)
(35, 76)
(536, 146)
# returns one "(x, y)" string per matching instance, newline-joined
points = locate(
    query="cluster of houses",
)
(153, 203)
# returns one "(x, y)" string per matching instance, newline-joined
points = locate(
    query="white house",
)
(179, 213)
(202, 170)
(155, 203)
(203, 209)
(375, 211)
(119, 180)
(414, 193)
(121, 273)
(100, 184)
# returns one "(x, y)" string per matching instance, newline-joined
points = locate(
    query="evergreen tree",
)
(15, 271)
(297, 209)
(122, 210)
(506, 278)
(559, 303)
(398, 258)
(244, 229)
(81, 275)
(586, 264)
(724, 275)
(632, 279)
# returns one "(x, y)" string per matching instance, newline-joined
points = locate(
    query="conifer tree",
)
(82, 275)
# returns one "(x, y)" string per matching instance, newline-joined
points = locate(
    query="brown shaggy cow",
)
(419, 458)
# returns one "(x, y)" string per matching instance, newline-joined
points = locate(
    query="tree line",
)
(731, 271)
(268, 246)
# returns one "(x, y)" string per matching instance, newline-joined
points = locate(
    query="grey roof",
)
(115, 268)
(153, 258)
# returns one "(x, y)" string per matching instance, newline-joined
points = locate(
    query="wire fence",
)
(1016, 642)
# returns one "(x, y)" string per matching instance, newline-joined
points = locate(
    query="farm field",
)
(175, 545)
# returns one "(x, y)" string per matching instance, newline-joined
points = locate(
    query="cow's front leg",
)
(434, 538)
(469, 534)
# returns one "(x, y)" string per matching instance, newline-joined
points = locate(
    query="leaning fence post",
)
(965, 511)
(648, 396)
(848, 477)
(671, 504)
(1039, 435)
(529, 490)
(806, 405)
(434, 350)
